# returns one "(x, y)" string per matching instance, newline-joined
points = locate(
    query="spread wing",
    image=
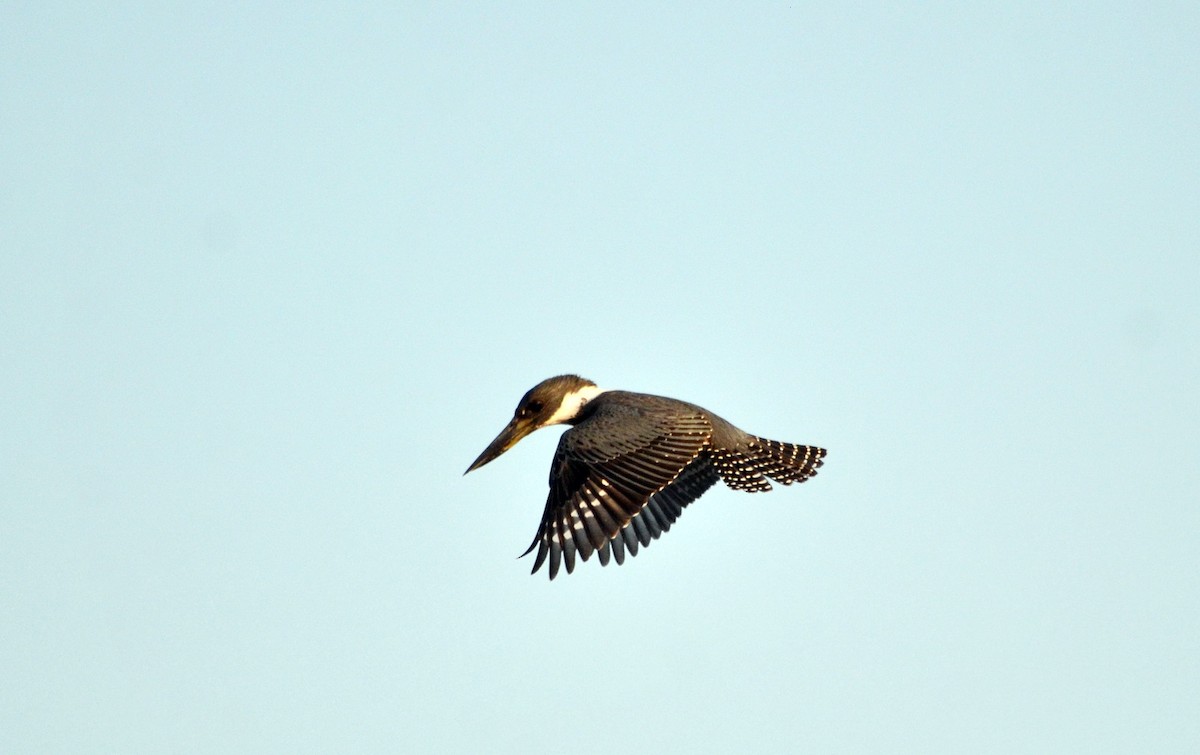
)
(619, 479)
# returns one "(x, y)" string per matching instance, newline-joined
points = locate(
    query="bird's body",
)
(630, 464)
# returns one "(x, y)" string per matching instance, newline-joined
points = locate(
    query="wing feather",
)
(618, 547)
(610, 479)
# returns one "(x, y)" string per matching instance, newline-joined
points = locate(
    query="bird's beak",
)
(507, 438)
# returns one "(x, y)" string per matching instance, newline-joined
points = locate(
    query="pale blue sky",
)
(271, 277)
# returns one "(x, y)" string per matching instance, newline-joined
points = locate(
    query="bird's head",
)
(550, 402)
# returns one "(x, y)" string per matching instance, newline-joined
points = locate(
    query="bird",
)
(630, 463)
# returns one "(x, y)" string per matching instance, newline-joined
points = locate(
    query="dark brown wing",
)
(621, 478)
(663, 508)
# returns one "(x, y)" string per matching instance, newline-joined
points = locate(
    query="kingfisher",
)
(630, 463)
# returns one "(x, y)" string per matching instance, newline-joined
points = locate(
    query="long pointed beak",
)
(507, 438)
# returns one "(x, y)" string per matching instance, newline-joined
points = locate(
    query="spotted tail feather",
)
(749, 469)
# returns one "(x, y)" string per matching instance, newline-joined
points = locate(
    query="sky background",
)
(271, 276)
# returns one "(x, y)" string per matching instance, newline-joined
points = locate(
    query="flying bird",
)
(631, 462)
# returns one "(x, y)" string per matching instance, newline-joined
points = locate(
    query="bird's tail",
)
(748, 469)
